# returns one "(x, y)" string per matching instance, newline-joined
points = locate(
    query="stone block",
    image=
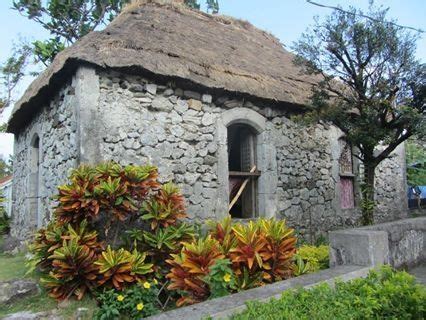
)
(151, 88)
(206, 98)
(195, 104)
(162, 104)
(358, 247)
(11, 291)
(192, 94)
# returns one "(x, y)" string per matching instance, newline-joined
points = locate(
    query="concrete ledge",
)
(359, 247)
(400, 243)
(226, 306)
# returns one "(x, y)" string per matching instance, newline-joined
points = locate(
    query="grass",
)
(13, 267)
(42, 302)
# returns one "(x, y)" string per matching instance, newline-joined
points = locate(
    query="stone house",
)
(205, 98)
(6, 193)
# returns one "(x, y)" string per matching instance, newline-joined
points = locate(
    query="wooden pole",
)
(241, 189)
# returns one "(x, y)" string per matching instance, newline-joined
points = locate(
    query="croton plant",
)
(76, 255)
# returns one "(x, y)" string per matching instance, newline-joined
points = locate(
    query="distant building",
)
(6, 192)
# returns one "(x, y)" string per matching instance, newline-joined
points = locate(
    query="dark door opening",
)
(243, 173)
(34, 181)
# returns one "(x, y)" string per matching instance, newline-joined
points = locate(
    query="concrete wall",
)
(401, 243)
(106, 115)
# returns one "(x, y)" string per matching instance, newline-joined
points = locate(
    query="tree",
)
(67, 21)
(5, 168)
(11, 73)
(372, 87)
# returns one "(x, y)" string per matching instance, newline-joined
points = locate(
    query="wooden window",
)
(347, 199)
(242, 170)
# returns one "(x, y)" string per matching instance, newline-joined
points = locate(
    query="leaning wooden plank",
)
(240, 191)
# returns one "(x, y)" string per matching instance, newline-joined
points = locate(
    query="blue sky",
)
(286, 19)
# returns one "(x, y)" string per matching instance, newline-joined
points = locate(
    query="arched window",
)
(346, 172)
(243, 173)
(34, 185)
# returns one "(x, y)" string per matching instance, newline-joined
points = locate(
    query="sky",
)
(286, 19)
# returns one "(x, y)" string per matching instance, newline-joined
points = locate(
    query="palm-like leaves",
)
(250, 249)
(280, 249)
(76, 202)
(169, 239)
(165, 208)
(191, 266)
(45, 242)
(118, 267)
(222, 232)
(73, 271)
(108, 187)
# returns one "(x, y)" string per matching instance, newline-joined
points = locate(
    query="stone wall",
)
(391, 187)
(106, 115)
(56, 128)
(180, 131)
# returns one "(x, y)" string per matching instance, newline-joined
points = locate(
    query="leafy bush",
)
(165, 208)
(120, 267)
(220, 279)
(109, 188)
(4, 219)
(190, 268)
(280, 249)
(68, 251)
(259, 252)
(315, 258)
(4, 223)
(73, 271)
(384, 294)
(53, 237)
(135, 302)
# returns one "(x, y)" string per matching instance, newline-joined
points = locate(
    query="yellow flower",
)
(139, 306)
(120, 297)
(227, 277)
(155, 281)
(146, 285)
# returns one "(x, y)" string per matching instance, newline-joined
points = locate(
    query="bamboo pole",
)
(241, 189)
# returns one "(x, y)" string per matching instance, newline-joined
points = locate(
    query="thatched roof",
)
(170, 40)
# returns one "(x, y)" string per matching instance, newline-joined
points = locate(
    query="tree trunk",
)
(367, 190)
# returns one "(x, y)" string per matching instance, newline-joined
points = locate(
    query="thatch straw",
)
(167, 39)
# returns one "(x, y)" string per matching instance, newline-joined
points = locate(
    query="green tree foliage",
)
(5, 168)
(372, 86)
(11, 73)
(66, 20)
(416, 164)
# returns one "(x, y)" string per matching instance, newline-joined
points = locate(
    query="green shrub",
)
(221, 279)
(384, 294)
(4, 219)
(135, 302)
(317, 258)
(4, 224)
